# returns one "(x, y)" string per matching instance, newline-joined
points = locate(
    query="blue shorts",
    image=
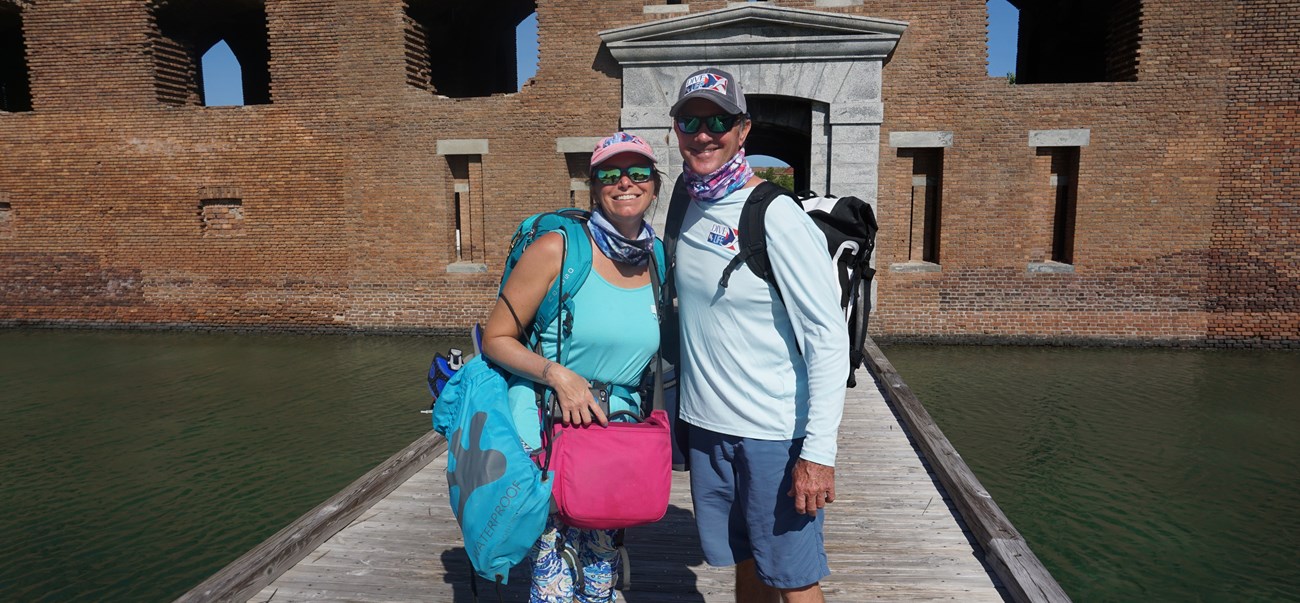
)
(739, 488)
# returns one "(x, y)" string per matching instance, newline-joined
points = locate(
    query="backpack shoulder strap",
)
(753, 234)
(667, 295)
(660, 268)
(574, 269)
(676, 215)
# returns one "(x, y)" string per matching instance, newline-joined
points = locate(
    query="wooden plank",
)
(1019, 569)
(254, 570)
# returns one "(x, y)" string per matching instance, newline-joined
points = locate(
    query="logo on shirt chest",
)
(724, 237)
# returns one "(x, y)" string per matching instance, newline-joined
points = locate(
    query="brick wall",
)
(1253, 289)
(346, 215)
(1146, 186)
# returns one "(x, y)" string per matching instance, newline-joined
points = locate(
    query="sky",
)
(222, 87)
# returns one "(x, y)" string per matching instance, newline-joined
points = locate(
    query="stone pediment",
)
(754, 32)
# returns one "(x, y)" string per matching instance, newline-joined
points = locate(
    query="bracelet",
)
(546, 369)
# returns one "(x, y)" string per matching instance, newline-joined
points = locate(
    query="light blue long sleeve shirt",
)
(742, 372)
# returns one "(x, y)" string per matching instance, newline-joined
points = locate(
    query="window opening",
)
(1004, 23)
(926, 206)
(1065, 41)
(15, 79)
(1065, 172)
(222, 80)
(187, 30)
(6, 218)
(459, 166)
(579, 165)
(527, 50)
(467, 206)
(464, 48)
(458, 210)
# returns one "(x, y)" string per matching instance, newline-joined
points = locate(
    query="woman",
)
(615, 333)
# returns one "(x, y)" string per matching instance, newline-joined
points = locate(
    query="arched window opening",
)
(1004, 26)
(187, 30)
(527, 49)
(463, 48)
(1064, 41)
(15, 81)
(222, 77)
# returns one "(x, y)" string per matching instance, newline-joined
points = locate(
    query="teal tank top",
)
(615, 334)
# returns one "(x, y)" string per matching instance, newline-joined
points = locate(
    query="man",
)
(762, 371)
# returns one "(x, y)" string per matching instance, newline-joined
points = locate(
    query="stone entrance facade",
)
(814, 80)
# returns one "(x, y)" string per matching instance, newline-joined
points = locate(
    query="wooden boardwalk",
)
(892, 534)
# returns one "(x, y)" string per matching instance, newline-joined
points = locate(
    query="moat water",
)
(135, 465)
(1135, 475)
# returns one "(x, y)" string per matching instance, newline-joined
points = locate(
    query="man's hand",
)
(813, 486)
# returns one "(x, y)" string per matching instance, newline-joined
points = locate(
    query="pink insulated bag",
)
(612, 477)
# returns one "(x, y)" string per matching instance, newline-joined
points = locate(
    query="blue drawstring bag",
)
(497, 492)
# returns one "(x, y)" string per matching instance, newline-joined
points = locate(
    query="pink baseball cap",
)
(621, 142)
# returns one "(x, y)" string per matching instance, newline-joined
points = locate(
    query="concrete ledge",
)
(1060, 138)
(915, 266)
(466, 267)
(463, 146)
(920, 140)
(665, 9)
(1049, 268)
(576, 144)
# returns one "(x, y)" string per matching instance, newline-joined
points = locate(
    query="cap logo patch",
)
(706, 81)
(618, 137)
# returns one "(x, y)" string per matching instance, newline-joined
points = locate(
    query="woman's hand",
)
(577, 406)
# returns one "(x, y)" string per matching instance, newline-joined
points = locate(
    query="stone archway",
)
(782, 129)
(828, 65)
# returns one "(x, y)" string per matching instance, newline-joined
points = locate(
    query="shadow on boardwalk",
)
(661, 554)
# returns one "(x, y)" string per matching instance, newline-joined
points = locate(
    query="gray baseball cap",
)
(716, 86)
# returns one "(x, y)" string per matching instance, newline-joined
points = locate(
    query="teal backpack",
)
(500, 497)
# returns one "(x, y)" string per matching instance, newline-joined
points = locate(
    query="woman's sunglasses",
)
(611, 175)
(715, 123)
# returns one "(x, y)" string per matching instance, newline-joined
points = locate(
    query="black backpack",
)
(849, 225)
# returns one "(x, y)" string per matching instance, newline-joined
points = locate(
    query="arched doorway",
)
(782, 129)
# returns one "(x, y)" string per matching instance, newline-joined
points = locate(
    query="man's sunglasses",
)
(715, 123)
(611, 175)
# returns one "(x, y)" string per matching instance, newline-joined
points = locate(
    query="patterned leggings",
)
(553, 576)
